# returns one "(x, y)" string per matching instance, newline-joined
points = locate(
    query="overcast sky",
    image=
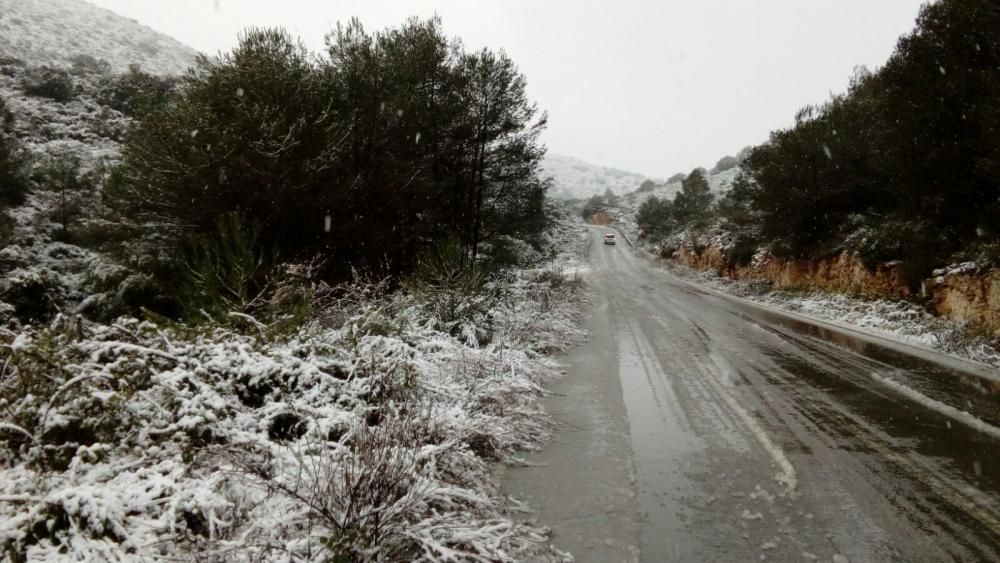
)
(650, 86)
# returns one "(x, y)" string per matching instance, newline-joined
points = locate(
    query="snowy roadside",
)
(897, 320)
(370, 439)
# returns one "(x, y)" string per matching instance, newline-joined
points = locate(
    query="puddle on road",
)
(663, 445)
(925, 431)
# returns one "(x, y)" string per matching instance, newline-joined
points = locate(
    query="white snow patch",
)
(942, 408)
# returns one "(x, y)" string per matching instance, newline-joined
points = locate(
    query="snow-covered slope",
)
(719, 182)
(53, 31)
(575, 179)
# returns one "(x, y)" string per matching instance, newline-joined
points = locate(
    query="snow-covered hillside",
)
(53, 31)
(575, 179)
(624, 214)
(719, 182)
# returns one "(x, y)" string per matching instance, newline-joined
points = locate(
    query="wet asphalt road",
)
(699, 427)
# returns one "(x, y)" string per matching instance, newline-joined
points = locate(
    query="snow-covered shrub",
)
(8, 316)
(49, 82)
(13, 256)
(725, 163)
(986, 255)
(367, 435)
(135, 91)
(6, 228)
(12, 185)
(911, 241)
(72, 192)
(741, 252)
(453, 289)
(87, 64)
(227, 271)
(34, 292)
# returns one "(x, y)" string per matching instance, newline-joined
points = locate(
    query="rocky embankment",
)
(961, 293)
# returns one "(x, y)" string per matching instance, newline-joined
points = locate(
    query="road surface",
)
(699, 427)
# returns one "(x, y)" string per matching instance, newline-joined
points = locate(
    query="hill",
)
(58, 31)
(575, 179)
(719, 182)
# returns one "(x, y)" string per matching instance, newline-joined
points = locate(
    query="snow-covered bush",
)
(6, 228)
(34, 292)
(49, 82)
(725, 163)
(12, 185)
(368, 435)
(453, 290)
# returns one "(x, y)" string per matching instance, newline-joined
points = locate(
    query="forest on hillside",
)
(904, 166)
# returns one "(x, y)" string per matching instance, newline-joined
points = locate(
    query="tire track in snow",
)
(787, 475)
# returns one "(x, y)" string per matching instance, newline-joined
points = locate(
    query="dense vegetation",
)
(904, 166)
(277, 399)
(394, 143)
(692, 207)
(599, 203)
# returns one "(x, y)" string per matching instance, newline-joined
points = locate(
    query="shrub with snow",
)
(49, 82)
(369, 439)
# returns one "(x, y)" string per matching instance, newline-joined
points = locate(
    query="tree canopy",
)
(390, 143)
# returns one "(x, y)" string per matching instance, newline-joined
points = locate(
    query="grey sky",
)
(653, 87)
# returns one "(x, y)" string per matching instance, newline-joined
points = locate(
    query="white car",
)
(609, 238)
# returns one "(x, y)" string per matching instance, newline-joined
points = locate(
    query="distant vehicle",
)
(609, 238)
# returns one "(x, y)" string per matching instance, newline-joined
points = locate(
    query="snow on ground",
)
(80, 127)
(53, 31)
(371, 439)
(898, 320)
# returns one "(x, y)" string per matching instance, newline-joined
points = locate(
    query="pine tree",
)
(656, 216)
(694, 202)
(13, 186)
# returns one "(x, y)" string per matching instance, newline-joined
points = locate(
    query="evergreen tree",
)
(397, 141)
(251, 133)
(62, 175)
(610, 199)
(594, 205)
(656, 216)
(136, 92)
(906, 164)
(13, 187)
(506, 154)
(646, 186)
(692, 205)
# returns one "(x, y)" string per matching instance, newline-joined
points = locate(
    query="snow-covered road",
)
(700, 427)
